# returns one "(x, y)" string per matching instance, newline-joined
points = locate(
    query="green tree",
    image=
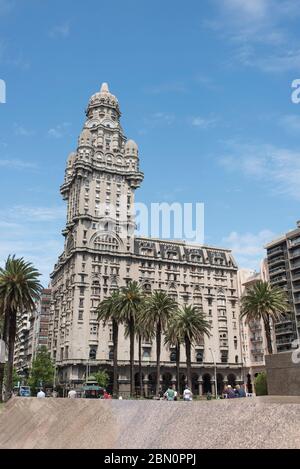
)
(110, 310)
(159, 307)
(173, 339)
(42, 370)
(191, 326)
(102, 378)
(16, 377)
(260, 383)
(266, 302)
(131, 302)
(19, 289)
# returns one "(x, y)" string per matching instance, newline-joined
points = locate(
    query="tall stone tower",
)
(102, 254)
(99, 185)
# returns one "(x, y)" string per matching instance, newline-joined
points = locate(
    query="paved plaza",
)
(269, 422)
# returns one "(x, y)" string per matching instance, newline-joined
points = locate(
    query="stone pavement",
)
(269, 422)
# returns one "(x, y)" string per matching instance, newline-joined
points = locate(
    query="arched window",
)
(106, 243)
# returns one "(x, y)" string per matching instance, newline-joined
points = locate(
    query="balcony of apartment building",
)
(275, 251)
(257, 351)
(284, 341)
(256, 340)
(294, 253)
(276, 260)
(295, 265)
(277, 280)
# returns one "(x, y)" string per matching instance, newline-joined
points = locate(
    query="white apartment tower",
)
(101, 254)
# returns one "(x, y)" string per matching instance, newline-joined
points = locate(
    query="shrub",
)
(261, 385)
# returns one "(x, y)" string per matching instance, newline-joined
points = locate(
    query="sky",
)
(204, 88)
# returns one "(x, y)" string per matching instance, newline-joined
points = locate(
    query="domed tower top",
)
(103, 98)
(131, 148)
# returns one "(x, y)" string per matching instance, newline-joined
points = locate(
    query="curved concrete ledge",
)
(82, 423)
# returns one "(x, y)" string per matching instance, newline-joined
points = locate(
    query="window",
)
(146, 353)
(199, 357)
(111, 353)
(173, 356)
(80, 315)
(236, 359)
(93, 353)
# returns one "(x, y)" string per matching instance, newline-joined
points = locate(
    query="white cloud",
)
(204, 122)
(248, 248)
(59, 131)
(259, 32)
(291, 123)
(33, 214)
(32, 233)
(17, 164)
(20, 130)
(277, 168)
(62, 30)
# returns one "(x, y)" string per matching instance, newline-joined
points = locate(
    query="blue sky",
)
(204, 88)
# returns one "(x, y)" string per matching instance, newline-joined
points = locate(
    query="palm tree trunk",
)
(11, 348)
(115, 341)
(178, 367)
(131, 334)
(2, 365)
(188, 362)
(140, 367)
(158, 352)
(268, 335)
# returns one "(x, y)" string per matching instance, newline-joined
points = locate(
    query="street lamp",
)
(215, 367)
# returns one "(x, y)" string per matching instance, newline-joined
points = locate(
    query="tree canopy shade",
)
(131, 302)
(19, 289)
(264, 302)
(110, 310)
(190, 325)
(42, 371)
(159, 308)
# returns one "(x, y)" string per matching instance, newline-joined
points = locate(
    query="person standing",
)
(187, 394)
(72, 394)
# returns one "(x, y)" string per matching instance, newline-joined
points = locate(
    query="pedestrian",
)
(187, 394)
(72, 394)
(169, 394)
(230, 392)
(242, 392)
(176, 393)
(41, 394)
(160, 394)
(237, 391)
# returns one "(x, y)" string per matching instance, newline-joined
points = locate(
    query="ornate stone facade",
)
(102, 254)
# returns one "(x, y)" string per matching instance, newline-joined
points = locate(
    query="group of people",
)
(230, 392)
(172, 395)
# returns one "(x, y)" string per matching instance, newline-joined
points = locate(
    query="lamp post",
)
(215, 368)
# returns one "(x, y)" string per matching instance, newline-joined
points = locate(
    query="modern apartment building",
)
(99, 187)
(284, 270)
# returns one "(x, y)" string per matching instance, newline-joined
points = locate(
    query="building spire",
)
(104, 88)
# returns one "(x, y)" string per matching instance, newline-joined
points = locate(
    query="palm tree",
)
(109, 310)
(131, 302)
(159, 307)
(191, 325)
(264, 302)
(141, 334)
(19, 289)
(2, 365)
(173, 338)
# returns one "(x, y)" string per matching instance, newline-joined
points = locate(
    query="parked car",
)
(24, 391)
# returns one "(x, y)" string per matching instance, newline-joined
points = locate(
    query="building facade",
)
(102, 254)
(32, 333)
(283, 256)
(252, 334)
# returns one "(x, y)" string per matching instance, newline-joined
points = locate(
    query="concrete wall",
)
(283, 375)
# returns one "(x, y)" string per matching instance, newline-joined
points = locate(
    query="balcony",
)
(256, 339)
